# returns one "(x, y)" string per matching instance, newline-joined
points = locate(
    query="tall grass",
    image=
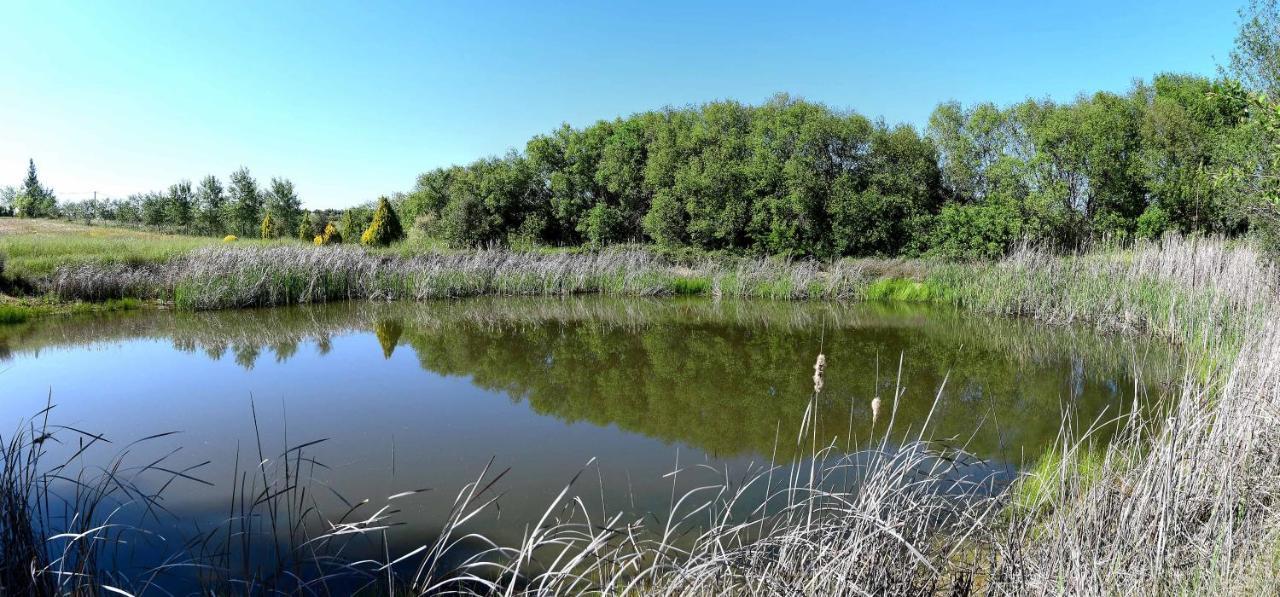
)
(225, 277)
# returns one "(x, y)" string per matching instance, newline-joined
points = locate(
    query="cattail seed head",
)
(819, 366)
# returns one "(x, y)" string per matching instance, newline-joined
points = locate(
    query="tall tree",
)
(1255, 60)
(246, 203)
(35, 201)
(179, 209)
(211, 206)
(283, 204)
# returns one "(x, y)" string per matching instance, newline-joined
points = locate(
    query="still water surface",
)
(424, 395)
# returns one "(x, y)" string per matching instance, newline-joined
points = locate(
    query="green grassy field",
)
(36, 247)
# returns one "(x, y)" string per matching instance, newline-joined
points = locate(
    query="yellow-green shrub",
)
(268, 227)
(385, 227)
(331, 236)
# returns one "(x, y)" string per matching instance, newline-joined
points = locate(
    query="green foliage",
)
(304, 230)
(1255, 60)
(690, 286)
(152, 207)
(974, 231)
(1055, 478)
(867, 222)
(665, 222)
(282, 203)
(355, 220)
(604, 225)
(34, 200)
(11, 314)
(791, 177)
(1153, 222)
(179, 206)
(385, 227)
(211, 206)
(906, 291)
(245, 203)
(8, 195)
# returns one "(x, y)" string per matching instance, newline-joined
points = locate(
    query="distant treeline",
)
(799, 178)
(209, 208)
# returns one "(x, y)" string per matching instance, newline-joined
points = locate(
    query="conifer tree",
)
(385, 227)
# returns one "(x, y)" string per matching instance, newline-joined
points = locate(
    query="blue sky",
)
(352, 100)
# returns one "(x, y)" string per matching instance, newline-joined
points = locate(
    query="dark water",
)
(410, 396)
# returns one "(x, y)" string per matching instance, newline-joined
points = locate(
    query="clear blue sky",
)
(353, 99)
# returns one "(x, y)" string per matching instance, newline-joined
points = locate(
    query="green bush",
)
(665, 222)
(1153, 222)
(605, 225)
(354, 221)
(964, 232)
(385, 227)
(868, 222)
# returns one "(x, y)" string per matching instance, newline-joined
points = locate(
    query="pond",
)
(410, 396)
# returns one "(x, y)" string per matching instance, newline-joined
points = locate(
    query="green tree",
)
(211, 207)
(153, 208)
(179, 206)
(355, 220)
(1255, 59)
(35, 200)
(283, 204)
(245, 203)
(974, 231)
(605, 224)
(385, 227)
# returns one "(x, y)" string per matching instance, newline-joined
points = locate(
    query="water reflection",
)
(730, 379)
(426, 394)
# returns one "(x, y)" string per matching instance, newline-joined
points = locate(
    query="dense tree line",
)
(799, 178)
(240, 207)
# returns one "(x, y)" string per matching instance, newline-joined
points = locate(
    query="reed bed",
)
(229, 277)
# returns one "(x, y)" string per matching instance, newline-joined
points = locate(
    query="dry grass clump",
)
(1183, 504)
